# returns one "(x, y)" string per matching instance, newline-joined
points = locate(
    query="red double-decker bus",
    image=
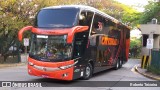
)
(74, 41)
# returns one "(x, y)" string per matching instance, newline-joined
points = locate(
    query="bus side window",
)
(113, 31)
(98, 25)
(82, 19)
(78, 48)
(97, 22)
(85, 18)
(106, 26)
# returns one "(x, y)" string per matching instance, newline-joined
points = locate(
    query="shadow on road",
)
(75, 83)
(47, 82)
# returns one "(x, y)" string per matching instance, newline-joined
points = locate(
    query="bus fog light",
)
(30, 63)
(65, 75)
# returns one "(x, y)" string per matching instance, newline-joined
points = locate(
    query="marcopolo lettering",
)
(108, 41)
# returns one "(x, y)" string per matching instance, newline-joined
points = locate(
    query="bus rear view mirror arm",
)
(75, 29)
(20, 33)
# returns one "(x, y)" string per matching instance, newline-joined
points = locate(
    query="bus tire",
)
(88, 72)
(120, 63)
(117, 64)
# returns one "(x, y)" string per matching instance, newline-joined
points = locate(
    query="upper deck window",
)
(56, 18)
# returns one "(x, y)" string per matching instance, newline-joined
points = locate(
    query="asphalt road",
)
(113, 79)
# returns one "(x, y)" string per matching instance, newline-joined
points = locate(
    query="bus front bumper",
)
(55, 70)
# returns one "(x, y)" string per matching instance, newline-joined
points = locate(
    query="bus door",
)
(81, 38)
(80, 45)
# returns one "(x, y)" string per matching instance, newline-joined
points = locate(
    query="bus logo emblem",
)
(44, 69)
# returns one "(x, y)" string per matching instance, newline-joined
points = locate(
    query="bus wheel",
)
(88, 72)
(117, 64)
(120, 63)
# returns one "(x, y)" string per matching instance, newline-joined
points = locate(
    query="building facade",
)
(152, 31)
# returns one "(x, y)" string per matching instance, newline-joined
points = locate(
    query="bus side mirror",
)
(20, 33)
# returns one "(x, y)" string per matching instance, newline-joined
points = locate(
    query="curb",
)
(145, 74)
(11, 65)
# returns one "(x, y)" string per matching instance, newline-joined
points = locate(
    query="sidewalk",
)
(145, 73)
(11, 65)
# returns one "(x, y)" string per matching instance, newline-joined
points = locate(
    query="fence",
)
(155, 60)
(9, 50)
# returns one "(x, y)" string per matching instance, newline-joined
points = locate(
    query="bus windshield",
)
(50, 48)
(56, 18)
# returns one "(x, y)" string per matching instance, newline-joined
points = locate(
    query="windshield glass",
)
(50, 48)
(50, 18)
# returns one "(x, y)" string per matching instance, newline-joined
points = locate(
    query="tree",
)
(123, 13)
(135, 47)
(152, 10)
(14, 14)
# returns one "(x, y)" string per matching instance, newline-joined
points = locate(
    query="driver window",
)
(85, 18)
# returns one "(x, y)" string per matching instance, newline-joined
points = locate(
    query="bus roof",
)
(84, 7)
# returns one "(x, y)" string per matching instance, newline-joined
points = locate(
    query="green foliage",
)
(130, 15)
(135, 42)
(119, 11)
(135, 47)
(14, 14)
(152, 10)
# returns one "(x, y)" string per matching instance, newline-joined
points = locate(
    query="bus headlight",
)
(30, 63)
(68, 66)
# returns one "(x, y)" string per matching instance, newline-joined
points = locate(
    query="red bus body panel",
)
(51, 74)
(127, 48)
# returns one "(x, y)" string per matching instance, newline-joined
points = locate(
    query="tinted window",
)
(102, 25)
(56, 18)
(87, 18)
